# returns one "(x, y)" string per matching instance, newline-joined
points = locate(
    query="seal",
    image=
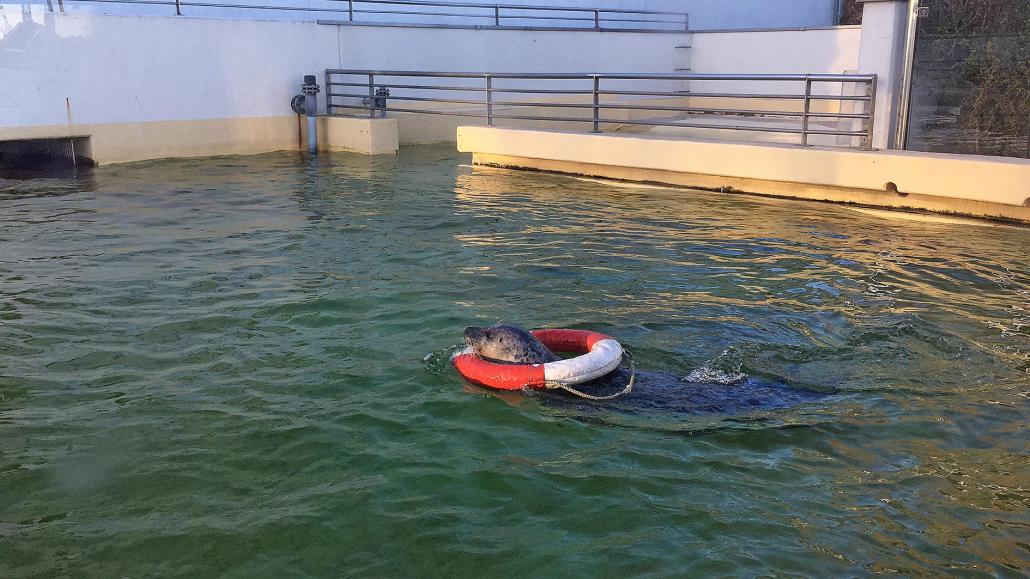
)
(655, 392)
(508, 345)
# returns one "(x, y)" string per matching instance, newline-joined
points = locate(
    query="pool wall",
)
(704, 14)
(144, 87)
(979, 186)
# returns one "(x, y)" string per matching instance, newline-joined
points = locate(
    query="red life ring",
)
(601, 355)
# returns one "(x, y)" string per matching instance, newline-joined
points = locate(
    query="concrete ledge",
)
(969, 185)
(358, 135)
(137, 141)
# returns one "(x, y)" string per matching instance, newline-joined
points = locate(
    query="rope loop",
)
(585, 396)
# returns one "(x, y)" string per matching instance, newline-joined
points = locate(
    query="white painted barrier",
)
(704, 14)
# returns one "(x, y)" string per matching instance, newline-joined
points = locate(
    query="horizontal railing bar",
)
(451, 14)
(618, 122)
(467, 88)
(502, 16)
(516, 7)
(414, 86)
(615, 76)
(685, 125)
(564, 76)
(469, 101)
(417, 110)
(736, 128)
(348, 95)
(685, 110)
(539, 118)
(492, 16)
(541, 91)
(680, 94)
(726, 95)
(759, 112)
(538, 28)
(153, 2)
(543, 104)
(435, 100)
(704, 126)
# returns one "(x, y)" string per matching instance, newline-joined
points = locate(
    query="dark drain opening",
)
(56, 157)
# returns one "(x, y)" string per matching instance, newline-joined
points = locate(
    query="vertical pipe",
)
(310, 89)
(178, 8)
(804, 116)
(350, 10)
(497, 15)
(905, 95)
(489, 101)
(312, 132)
(597, 110)
(867, 139)
(371, 96)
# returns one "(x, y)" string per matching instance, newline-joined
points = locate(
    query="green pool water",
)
(238, 366)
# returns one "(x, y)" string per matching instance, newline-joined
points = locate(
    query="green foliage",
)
(851, 12)
(992, 40)
(977, 17)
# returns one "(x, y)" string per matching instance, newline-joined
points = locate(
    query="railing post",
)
(49, 6)
(597, 110)
(178, 8)
(497, 15)
(489, 101)
(350, 10)
(371, 96)
(686, 22)
(60, 5)
(597, 19)
(328, 93)
(807, 108)
(870, 90)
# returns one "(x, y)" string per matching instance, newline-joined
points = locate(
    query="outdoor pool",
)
(238, 365)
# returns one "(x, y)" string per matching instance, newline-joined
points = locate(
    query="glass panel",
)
(971, 78)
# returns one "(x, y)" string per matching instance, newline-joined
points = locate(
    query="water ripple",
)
(240, 365)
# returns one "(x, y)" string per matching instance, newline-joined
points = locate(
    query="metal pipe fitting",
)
(309, 89)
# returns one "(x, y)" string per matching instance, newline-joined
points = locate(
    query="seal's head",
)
(508, 344)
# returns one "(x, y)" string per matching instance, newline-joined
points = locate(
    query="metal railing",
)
(439, 13)
(476, 95)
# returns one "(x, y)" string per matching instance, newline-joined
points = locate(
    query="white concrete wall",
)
(884, 24)
(75, 74)
(131, 81)
(829, 51)
(116, 69)
(507, 50)
(704, 14)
